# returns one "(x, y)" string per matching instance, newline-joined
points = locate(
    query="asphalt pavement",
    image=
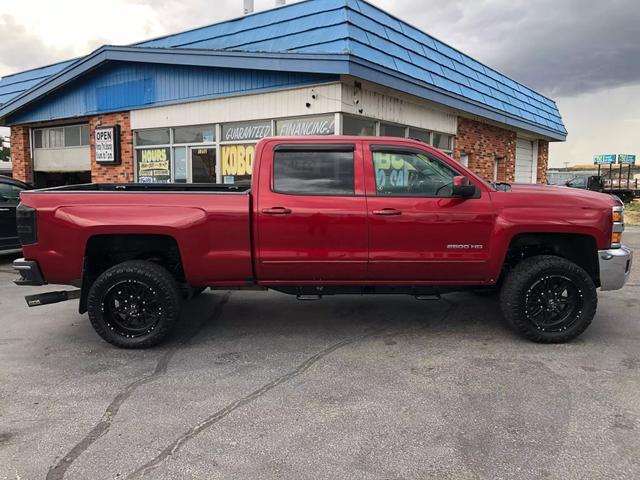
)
(260, 386)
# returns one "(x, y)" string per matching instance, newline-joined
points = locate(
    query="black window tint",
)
(9, 193)
(412, 175)
(314, 173)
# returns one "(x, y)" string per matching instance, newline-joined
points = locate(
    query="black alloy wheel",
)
(134, 304)
(548, 299)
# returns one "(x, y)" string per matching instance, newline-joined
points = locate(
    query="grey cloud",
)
(562, 48)
(22, 50)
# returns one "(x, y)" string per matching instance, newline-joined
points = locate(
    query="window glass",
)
(180, 164)
(411, 175)
(55, 137)
(84, 135)
(314, 173)
(9, 194)
(72, 136)
(203, 165)
(419, 134)
(157, 136)
(38, 139)
(442, 141)
(358, 126)
(245, 131)
(389, 130)
(307, 126)
(153, 165)
(199, 134)
(237, 162)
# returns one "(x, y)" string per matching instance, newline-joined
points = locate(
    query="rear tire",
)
(135, 304)
(549, 299)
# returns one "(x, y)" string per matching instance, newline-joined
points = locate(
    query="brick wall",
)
(485, 144)
(543, 161)
(122, 173)
(21, 155)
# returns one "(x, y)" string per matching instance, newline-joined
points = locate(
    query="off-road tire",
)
(530, 272)
(164, 291)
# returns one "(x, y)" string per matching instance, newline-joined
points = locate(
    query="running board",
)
(51, 297)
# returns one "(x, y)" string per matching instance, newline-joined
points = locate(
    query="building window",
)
(443, 142)
(358, 126)
(61, 137)
(390, 130)
(153, 165)
(156, 136)
(419, 134)
(306, 126)
(314, 173)
(199, 134)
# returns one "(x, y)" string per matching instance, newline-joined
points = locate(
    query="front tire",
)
(134, 304)
(549, 299)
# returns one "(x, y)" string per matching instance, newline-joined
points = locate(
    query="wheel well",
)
(579, 249)
(105, 251)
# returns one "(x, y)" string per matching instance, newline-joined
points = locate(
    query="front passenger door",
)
(418, 231)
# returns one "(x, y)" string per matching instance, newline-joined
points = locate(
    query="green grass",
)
(632, 213)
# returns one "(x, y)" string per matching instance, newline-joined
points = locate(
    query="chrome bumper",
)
(615, 267)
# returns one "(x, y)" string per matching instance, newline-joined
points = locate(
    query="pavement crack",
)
(210, 421)
(59, 469)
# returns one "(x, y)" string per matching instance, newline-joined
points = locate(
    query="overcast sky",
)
(585, 54)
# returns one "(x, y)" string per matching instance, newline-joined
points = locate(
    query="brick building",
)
(190, 107)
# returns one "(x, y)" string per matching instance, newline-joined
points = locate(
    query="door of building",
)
(526, 164)
(203, 165)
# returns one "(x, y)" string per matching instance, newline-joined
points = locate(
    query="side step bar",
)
(51, 297)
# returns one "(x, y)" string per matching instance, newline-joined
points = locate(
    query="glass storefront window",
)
(245, 131)
(306, 126)
(180, 165)
(237, 162)
(442, 141)
(156, 136)
(199, 134)
(419, 134)
(358, 126)
(390, 130)
(153, 165)
(203, 165)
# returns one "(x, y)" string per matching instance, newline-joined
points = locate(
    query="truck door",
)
(311, 213)
(9, 199)
(417, 230)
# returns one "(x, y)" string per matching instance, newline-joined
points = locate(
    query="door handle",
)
(276, 211)
(387, 212)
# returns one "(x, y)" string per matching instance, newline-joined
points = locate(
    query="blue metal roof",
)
(378, 47)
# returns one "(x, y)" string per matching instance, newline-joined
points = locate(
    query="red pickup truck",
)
(325, 216)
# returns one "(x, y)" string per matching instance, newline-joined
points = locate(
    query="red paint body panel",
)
(225, 239)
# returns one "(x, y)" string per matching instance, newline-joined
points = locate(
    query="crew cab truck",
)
(324, 216)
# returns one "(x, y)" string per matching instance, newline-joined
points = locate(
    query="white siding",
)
(285, 103)
(391, 106)
(526, 161)
(71, 159)
(375, 102)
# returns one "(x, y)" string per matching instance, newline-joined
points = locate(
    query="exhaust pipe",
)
(51, 297)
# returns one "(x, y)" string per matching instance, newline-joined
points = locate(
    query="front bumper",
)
(615, 267)
(29, 271)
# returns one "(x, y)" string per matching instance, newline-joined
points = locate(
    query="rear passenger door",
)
(311, 214)
(9, 199)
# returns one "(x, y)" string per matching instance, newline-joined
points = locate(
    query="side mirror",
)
(462, 187)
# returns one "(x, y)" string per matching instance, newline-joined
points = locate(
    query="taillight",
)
(27, 223)
(617, 227)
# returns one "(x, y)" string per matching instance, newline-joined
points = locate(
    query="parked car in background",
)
(597, 183)
(10, 190)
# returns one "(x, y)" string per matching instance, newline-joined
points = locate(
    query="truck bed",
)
(151, 187)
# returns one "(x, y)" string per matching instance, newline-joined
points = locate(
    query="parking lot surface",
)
(258, 385)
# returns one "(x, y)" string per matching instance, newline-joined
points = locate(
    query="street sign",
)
(604, 159)
(626, 159)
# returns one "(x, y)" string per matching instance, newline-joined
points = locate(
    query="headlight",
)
(617, 227)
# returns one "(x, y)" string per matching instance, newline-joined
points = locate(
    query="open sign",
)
(107, 145)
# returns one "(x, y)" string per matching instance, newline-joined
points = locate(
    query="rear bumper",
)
(615, 267)
(29, 272)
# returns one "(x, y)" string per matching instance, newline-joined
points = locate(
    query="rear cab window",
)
(314, 171)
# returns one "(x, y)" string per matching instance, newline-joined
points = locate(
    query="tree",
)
(5, 152)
